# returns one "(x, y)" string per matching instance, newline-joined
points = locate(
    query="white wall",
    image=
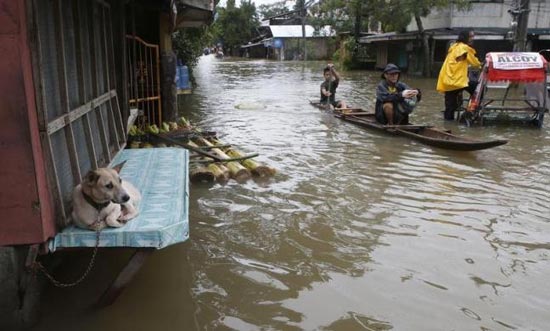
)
(484, 15)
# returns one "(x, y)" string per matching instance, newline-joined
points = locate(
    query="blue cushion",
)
(161, 175)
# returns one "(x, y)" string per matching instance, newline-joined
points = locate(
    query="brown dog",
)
(104, 199)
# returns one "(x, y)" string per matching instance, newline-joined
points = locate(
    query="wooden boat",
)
(426, 134)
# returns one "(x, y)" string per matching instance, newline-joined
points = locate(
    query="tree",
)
(277, 8)
(405, 10)
(335, 13)
(236, 25)
(189, 43)
(350, 16)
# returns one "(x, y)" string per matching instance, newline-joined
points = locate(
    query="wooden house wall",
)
(24, 200)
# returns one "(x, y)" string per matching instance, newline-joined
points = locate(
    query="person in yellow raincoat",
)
(453, 76)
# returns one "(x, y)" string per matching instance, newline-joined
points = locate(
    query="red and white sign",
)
(517, 61)
(516, 67)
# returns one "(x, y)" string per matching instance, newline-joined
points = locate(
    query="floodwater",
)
(357, 231)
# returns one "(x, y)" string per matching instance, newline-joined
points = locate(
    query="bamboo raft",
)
(426, 134)
(211, 160)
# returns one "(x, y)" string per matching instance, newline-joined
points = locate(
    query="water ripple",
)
(359, 229)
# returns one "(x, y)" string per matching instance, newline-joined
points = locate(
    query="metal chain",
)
(38, 266)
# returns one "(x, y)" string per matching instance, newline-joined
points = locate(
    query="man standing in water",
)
(453, 76)
(394, 100)
(328, 88)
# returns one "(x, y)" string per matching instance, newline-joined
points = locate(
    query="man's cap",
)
(391, 68)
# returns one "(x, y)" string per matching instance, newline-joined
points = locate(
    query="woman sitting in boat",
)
(328, 87)
(394, 100)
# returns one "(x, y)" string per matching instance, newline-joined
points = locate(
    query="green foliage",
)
(189, 43)
(277, 8)
(350, 45)
(394, 15)
(236, 25)
(340, 14)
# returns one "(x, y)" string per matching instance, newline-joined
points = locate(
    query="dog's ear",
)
(90, 178)
(119, 166)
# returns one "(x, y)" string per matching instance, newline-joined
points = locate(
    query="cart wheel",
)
(539, 119)
(19, 291)
(466, 118)
(459, 113)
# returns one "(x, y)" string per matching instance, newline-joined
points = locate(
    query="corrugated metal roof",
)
(295, 31)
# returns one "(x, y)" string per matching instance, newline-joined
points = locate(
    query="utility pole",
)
(301, 7)
(521, 17)
(304, 13)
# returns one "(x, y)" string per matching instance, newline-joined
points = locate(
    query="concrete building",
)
(284, 42)
(490, 20)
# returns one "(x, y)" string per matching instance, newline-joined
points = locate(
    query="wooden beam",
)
(124, 277)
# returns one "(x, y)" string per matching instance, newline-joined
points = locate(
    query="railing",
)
(144, 79)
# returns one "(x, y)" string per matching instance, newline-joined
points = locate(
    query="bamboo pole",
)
(224, 170)
(220, 171)
(202, 173)
(256, 168)
(237, 170)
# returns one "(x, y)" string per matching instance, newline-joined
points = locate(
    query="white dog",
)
(104, 199)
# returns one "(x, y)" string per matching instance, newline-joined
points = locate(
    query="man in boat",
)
(328, 88)
(395, 100)
(453, 76)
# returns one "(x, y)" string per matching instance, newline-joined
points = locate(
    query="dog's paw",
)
(125, 218)
(98, 226)
(114, 223)
(127, 215)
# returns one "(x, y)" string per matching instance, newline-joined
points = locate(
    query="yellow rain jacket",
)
(454, 74)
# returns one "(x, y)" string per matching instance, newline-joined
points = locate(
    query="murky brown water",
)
(358, 231)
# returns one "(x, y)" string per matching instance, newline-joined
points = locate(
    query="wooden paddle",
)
(407, 126)
(346, 109)
(327, 106)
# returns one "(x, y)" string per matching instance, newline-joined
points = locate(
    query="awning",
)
(437, 34)
(194, 13)
(388, 37)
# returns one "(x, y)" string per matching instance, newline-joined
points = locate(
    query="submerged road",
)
(357, 231)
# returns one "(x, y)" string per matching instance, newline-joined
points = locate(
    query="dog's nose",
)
(125, 198)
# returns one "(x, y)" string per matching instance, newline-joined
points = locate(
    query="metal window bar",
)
(82, 93)
(96, 83)
(118, 111)
(107, 78)
(145, 81)
(92, 33)
(63, 88)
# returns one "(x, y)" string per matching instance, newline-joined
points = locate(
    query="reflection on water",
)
(358, 231)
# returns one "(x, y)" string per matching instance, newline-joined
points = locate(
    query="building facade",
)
(491, 21)
(285, 42)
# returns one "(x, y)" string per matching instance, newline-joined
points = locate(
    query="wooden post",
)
(136, 261)
(168, 64)
(520, 40)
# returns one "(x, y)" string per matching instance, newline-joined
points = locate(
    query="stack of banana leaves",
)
(211, 160)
